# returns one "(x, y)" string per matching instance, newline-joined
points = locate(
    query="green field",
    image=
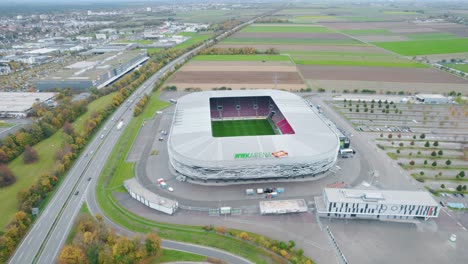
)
(256, 57)
(427, 36)
(194, 40)
(26, 174)
(347, 60)
(425, 47)
(238, 128)
(285, 29)
(460, 67)
(235, 40)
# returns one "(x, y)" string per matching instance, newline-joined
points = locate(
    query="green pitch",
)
(238, 128)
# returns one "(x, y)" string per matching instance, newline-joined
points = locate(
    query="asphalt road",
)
(49, 232)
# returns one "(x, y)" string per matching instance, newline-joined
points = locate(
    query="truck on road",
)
(120, 125)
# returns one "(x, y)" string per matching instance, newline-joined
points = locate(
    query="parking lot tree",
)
(386, 111)
(462, 174)
(459, 188)
(366, 109)
(464, 187)
(390, 136)
(419, 152)
(401, 112)
(386, 102)
(442, 186)
(350, 109)
(372, 111)
(372, 106)
(399, 135)
(448, 162)
(440, 152)
(436, 143)
(434, 164)
(386, 107)
(410, 154)
(421, 173)
(357, 110)
(411, 162)
(425, 162)
(422, 136)
(433, 153)
(401, 144)
(383, 111)
(398, 151)
(427, 144)
(345, 100)
(414, 136)
(381, 135)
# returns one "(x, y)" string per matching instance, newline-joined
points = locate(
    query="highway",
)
(48, 234)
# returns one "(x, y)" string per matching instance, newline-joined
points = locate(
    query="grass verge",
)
(26, 174)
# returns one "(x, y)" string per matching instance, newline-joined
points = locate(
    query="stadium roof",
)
(191, 134)
(379, 196)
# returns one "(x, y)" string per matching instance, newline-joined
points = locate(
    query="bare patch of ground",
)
(289, 35)
(461, 32)
(325, 48)
(241, 77)
(383, 87)
(413, 30)
(379, 74)
(256, 66)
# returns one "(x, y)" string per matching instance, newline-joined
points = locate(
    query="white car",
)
(170, 189)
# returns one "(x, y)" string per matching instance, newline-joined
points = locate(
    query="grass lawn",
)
(5, 124)
(460, 67)
(426, 36)
(193, 40)
(256, 57)
(252, 40)
(364, 32)
(152, 51)
(283, 29)
(169, 255)
(26, 174)
(423, 47)
(236, 128)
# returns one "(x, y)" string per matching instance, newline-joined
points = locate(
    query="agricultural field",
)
(210, 74)
(460, 67)
(426, 140)
(422, 47)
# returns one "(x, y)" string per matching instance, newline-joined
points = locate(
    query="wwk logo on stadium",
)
(256, 155)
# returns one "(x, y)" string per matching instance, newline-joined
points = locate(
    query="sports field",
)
(239, 128)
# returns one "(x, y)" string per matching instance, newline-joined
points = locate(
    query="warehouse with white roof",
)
(376, 204)
(304, 144)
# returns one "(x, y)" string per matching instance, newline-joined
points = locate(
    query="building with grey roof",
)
(150, 199)
(432, 98)
(17, 105)
(98, 71)
(304, 146)
(376, 204)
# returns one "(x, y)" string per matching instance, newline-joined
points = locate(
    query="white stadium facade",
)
(303, 144)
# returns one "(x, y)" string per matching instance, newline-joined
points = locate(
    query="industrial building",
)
(98, 71)
(432, 99)
(150, 199)
(303, 145)
(376, 204)
(17, 105)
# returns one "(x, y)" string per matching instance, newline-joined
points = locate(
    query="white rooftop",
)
(379, 196)
(191, 134)
(431, 96)
(139, 189)
(21, 102)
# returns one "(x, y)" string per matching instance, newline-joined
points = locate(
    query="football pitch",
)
(238, 128)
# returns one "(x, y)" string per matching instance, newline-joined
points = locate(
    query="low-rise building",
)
(376, 204)
(432, 99)
(98, 71)
(18, 105)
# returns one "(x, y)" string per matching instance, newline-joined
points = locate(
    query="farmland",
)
(259, 57)
(422, 47)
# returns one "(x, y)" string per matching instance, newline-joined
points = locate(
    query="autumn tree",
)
(153, 244)
(6, 176)
(72, 255)
(30, 155)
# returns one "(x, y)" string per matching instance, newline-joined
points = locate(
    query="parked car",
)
(442, 203)
(462, 195)
(77, 192)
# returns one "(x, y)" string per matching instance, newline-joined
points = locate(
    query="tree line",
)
(237, 51)
(94, 242)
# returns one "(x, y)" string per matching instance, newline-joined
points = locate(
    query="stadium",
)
(249, 135)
